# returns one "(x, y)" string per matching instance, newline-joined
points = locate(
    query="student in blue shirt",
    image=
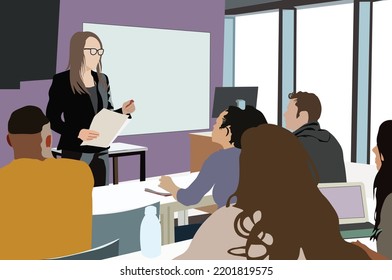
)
(221, 170)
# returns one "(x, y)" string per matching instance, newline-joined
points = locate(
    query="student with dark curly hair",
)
(221, 170)
(280, 213)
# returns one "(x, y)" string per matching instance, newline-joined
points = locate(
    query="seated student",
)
(383, 190)
(45, 203)
(221, 169)
(301, 117)
(280, 213)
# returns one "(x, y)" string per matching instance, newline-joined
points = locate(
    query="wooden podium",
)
(201, 147)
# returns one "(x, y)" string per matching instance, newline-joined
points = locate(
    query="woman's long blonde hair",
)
(76, 61)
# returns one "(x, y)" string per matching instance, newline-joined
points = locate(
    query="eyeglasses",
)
(94, 51)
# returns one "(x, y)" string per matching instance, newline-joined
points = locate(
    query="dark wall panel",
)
(28, 48)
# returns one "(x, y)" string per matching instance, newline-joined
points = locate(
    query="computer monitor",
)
(227, 96)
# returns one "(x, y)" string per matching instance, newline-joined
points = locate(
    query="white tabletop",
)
(171, 251)
(118, 147)
(205, 133)
(168, 252)
(131, 195)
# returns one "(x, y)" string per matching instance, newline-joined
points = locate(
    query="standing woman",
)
(75, 97)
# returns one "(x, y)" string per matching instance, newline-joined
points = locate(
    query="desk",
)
(171, 251)
(167, 215)
(201, 147)
(117, 150)
(168, 252)
(131, 195)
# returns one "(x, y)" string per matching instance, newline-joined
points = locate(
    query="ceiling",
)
(235, 7)
(231, 4)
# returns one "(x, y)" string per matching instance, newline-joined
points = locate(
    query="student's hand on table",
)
(128, 107)
(372, 254)
(166, 183)
(359, 244)
(87, 134)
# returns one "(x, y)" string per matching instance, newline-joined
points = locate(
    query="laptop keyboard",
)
(366, 225)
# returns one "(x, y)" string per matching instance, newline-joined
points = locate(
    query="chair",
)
(122, 225)
(105, 251)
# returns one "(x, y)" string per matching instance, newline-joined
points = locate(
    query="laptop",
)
(349, 202)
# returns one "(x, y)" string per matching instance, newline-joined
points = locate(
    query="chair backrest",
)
(122, 225)
(105, 251)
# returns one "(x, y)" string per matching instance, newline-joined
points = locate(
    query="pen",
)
(130, 103)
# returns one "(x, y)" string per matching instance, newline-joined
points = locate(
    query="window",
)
(256, 58)
(324, 65)
(381, 98)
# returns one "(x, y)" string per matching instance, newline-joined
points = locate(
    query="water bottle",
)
(150, 233)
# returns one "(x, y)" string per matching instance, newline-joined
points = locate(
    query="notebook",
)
(157, 192)
(349, 202)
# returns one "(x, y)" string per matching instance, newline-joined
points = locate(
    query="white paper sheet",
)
(109, 125)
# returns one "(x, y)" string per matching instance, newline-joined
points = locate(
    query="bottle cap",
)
(241, 104)
(150, 210)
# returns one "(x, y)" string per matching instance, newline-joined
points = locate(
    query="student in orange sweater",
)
(45, 203)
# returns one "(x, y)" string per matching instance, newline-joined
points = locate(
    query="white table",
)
(171, 251)
(109, 199)
(117, 150)
(168, 252)
(131, 195)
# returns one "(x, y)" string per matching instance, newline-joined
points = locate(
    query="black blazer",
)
(77, 110)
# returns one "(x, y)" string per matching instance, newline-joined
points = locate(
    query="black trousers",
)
(98, 162)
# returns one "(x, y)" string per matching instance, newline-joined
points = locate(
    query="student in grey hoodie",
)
(301, 117)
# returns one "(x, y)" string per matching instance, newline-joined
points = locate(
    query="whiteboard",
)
(166, 72)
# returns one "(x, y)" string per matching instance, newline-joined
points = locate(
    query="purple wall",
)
(168, 152)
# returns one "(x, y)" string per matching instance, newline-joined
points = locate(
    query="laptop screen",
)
(347, 200)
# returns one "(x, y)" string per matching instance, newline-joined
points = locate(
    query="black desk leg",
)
(115, 170)
(143, 166)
